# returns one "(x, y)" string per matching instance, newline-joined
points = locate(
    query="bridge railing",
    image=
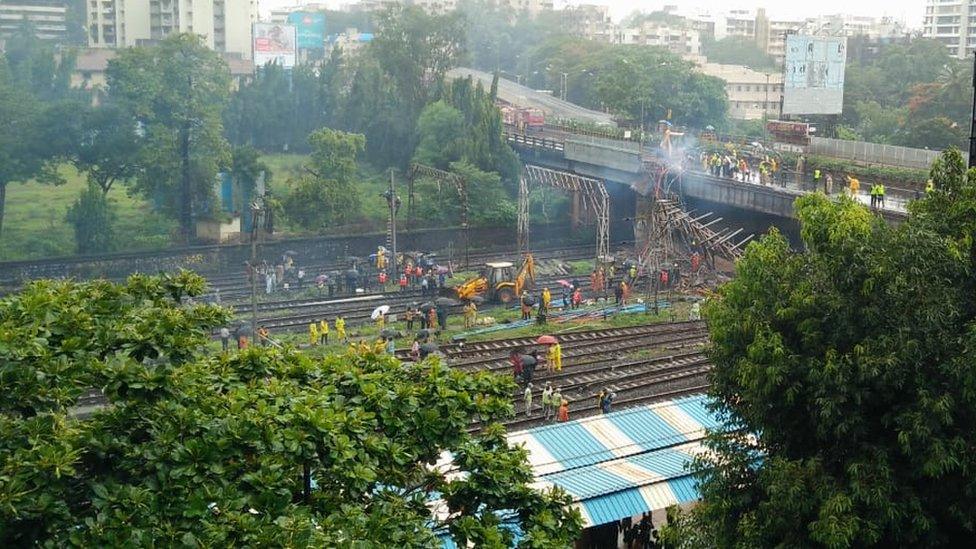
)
(536, 142)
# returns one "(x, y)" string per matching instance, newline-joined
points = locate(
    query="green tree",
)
(846, 374)
(101, 142)
(738, 50)
(629, 81)
(176, 91)
(441, 131)
(258, 448)
(401, 72)
(23, 153)
(92, 217)
(325, 195)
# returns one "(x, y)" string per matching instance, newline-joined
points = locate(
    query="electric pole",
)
(394, 206)
(255, 229)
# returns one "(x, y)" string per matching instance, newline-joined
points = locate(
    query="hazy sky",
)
(909, 11)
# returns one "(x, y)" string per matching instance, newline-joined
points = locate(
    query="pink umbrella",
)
(546, 340)
(565, 283)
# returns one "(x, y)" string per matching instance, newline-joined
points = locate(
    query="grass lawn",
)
(369, 332)
(34, 225)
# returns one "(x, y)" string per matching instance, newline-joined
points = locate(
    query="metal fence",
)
(873, 153)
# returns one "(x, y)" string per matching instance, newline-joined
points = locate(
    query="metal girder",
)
(441, 176)
(592, 191)
(523, 216)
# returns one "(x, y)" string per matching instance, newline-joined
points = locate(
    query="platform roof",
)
(625, 463)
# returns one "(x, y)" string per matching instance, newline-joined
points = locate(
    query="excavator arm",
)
(526, 272)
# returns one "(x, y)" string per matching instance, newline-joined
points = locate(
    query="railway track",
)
(234, 286)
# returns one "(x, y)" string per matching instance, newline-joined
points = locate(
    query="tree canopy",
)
(847, 371)
(256, 448)
(738, 50)
(176, 91)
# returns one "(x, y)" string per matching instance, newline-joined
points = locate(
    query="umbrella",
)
(291, 252)
(565, 283)
(445, 302)
(426, 307)
(478, 299)
(428, 348)
(352, 273)
(546, 340)
(530, 301)
(441, 269)
(710, 128)
(389, 334)
(379, 311)
(424, 334)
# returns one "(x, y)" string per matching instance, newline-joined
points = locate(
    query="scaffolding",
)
(592, 192)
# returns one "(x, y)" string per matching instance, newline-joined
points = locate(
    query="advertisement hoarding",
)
(813, 78)
(310, 28)
(274, 43)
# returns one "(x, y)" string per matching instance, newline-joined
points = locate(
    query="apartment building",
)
(677, 38)
(753, 95)
(953, 23)
(47, 19)
(591, 21)
(225, 25)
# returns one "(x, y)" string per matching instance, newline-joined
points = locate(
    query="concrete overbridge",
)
(628, 163)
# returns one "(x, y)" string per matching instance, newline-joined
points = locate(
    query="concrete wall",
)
(769, 200)
(318, 250)
(617, 155)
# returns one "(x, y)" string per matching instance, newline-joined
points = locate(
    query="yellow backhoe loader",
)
(499, 282)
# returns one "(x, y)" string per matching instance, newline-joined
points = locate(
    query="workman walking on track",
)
(263, 336)
(527, 397)
(432, 318)
(470, 314)
(382, 280)
(340, 324)
(224, 338)
(409, 316)
(546, 299)
(313, 334)
(403, 282)
(324, 331)
(563, 415)
(881, 195)
(555, 357)
(526, 307)
(547, 406)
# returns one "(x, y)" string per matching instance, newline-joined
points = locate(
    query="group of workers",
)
(734, 166)
(318, 332)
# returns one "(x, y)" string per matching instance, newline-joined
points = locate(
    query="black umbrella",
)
(445, 302)
(529, 300)
(429, 348)
(426, 307)
(352, 273)
(389, 334)
(478, 299)
(424, 334)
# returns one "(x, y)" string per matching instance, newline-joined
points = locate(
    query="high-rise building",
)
(46, 18)
(225, 25)
(953, 23)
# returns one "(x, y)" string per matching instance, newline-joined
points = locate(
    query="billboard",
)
(310, 27)
(813, 77)
(274, 43)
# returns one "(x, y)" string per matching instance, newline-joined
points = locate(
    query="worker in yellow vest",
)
(929, 187)
(313, 334)
(340, 325)
(881, 195)
(555, 357)
(324, 331)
